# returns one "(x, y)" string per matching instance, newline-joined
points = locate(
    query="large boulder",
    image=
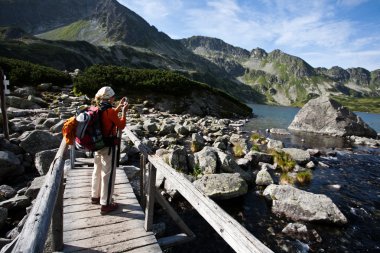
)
(222, 186)
(10, 165)
(43, 160)
(324, 115)
(37, 140)
(298, 155)
(229, 165)
(207, 160)
(300, 205)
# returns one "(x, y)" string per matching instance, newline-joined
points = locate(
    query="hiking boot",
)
(108, 208)
(95, 201)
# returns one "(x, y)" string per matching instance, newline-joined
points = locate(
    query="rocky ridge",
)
(116, 35)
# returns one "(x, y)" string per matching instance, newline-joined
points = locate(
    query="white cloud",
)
(153, 10)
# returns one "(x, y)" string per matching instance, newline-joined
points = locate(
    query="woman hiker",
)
(103, 176)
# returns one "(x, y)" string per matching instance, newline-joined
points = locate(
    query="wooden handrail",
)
(238, 237)
(34, 233)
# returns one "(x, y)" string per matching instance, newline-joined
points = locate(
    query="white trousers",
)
(102, 181)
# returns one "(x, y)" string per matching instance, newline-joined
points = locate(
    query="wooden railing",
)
(47, 212)
(239, 238)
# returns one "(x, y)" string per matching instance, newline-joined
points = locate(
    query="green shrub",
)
(284, 161)
(22, 73)
(197, 171)
(304, 177)
(285, 178)
(238, 149)
(255, 147)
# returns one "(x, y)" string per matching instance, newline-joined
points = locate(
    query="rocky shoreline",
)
(211, 152)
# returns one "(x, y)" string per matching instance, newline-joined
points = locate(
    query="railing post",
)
(142, 180)
(57, 221)
(72, 156)
(149, 209)
(3, 106)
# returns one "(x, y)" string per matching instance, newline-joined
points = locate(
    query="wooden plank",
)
(130, 245)
(109, 239)
(113, 217)
(80, 234)
(124, 209)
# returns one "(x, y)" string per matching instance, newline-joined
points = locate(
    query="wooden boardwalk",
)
(86, 230)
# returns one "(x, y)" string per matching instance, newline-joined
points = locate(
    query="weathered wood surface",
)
(33, 236)
(85, 229)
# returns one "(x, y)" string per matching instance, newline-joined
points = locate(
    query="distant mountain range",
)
(69, 34)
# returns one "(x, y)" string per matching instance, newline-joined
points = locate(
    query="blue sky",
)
(324, 33)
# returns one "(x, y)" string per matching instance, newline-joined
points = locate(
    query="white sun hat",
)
(105, 92)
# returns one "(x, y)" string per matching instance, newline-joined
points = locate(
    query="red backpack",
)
(89, 129)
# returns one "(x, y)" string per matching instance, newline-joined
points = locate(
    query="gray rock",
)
(222, 186)
(38, 101)
(296, 231)
(44, 86)
(7, 191)
(10, 165)
(365, 141)
(220, 145)
(300, 205)
(25, 91)
(150, 126)
(57, 128)
(37, 140)
(6, 145)
(35, 187)
(256, 157)
(198, 140)
(16, 203)
(244, 163)
(207, 160)
(274, 144)
(20, 103)
(310, 165)
(326, 116)
(50, 122)
(263, 178)
(182, 130)
(178, 159)
(166, 128)
(43, 160)
(279, 131)
(299, 155)
(229, 165)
